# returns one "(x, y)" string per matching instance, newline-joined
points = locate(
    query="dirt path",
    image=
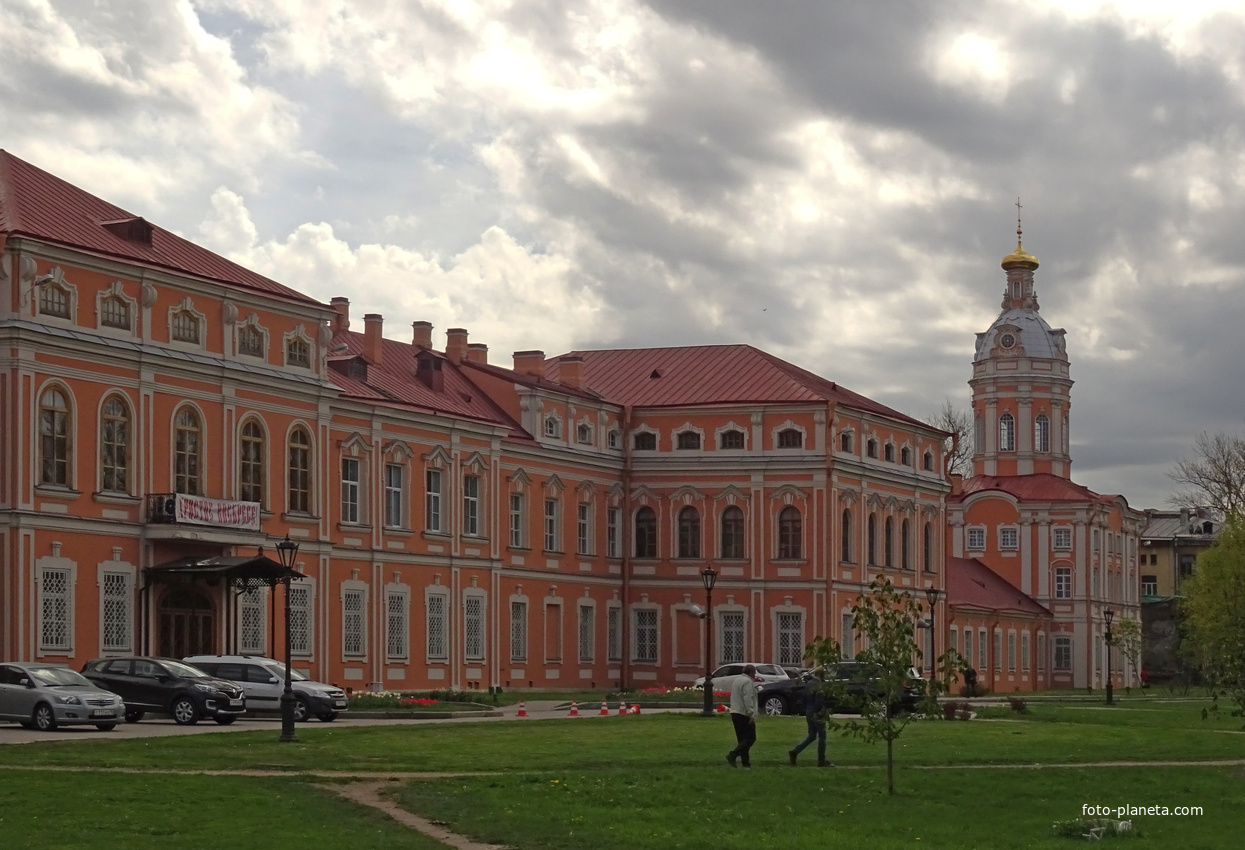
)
(371, 794)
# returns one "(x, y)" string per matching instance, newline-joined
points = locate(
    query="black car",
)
(167, 686)
(787, 697)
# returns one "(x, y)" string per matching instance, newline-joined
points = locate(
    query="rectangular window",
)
(352, 624)
(583, 529)
(518, 631)
(587, 625)
(437, 627)
(1024, 652)
(473, 628)
(982, 661)
(1011, 652)
(116, 613)
(350, 489)
(847, 644)
(1009, 538)
(397, 625)
(553, 632)
(645, 636)
(732, 641)
(432, 500)
(968, 646)
(551, 525)
(1041, 654)
(1149, 585)
(1063, 538)
(613, 546)
(300, 619)
(613, 635)
(471, 505)
(393, 495)
(1063, 582)
(977, 538)
(516, 520)
(1063, 653)
(997, 660)
(251, 623)
(790, 638)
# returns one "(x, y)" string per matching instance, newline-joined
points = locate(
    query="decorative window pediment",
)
(297, 345)
(520, 481)
(397, 451)
(115, 309)
(438, 458)
(355, 445)
(554, 485)
(251, 339)
(57, 297)
(475, 463)
(732, 495)
(186, 324)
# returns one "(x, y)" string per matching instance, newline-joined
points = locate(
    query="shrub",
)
(981, 690)
(1018, 705)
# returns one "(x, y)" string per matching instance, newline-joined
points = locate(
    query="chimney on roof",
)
(477, 352)
(571, 370)
(421, 334)
(341, 322)
(530, 363)
(373, 323)
(456, 344)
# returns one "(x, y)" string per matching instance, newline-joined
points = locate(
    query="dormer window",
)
(928, 462)
(732, 439)
(298, 352)
(871, 448)
(553, 428)
(186, 327)
(688, 440)
(583, 434)
(54, 301)
(890, 453)
(845, 441)
(905, 456)
(646, 441)
(611, 439)
(250, 341)
(114, 313)
(790, 438)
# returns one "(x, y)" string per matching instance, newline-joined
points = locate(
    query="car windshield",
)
(59, 677)
(278, 669)
(185, 671)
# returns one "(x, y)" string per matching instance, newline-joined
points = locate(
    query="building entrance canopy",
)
(240, 570)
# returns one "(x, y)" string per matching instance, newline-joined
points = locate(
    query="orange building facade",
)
(460, 524)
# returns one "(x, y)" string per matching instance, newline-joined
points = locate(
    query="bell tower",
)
(1020, 383)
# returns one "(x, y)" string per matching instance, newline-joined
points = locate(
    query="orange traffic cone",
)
(605, 710)
(522, 710)
(721, 708)
(635, 709)
(574, 709)
(622, 706)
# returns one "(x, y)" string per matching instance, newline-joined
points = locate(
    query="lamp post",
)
(1108, 615)
(708, 577)
(932, 593)
(287, 551)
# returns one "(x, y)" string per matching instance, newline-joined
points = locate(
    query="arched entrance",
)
(185, 623)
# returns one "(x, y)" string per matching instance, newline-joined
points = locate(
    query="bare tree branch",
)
(960, 447)
(1214, 477)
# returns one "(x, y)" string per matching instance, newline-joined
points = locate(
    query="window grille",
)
(1041, 434)
(473, 628)
(438, 628)
(298, 352)
(350, 489)
(251, 622)
(1063, 653)
(646, 636)
(587, 618)
(250, 341)
(352, 623)
(114, 313)
(976, 538)
(186, 327)
(790, 438)
(731, 439)
(688, 440)
(1007, 433)
(397, 625)
(518, 631)
(115, 446)
(732, 630)
(790, 638)
(1009, 538)
(646, 442)
(55, 610)
(613, 635)
(117, 613)
(847, 644)
(300, 619)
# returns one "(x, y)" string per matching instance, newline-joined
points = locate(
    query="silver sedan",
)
(44, 696)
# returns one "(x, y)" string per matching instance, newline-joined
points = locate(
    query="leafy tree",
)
(886, 619)
(1214, 476)
(959, 423)
(1127, 636)
(1214, 616)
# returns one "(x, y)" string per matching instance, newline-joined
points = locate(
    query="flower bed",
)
(413, 701)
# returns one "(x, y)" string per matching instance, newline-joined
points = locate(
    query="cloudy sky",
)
(831, 180)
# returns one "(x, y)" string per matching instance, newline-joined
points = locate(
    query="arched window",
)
(732, 533)
(845, 441)
(251, 469)
(646, 441)
(927, 548)
(1041, 433)
(732, 439)
(689, 533)
(790, 531)
(114, 446)
(871, 448)
(298, 352)
(688, 440)
(250, 341)
(905, 545)
(1007, 433)
(114, 312)
(300, 472)
(889, 453)
(186, 327)
(905, 456)
(790, 438)
(846, 536)
(979, 435)
(645, 533)
(54, 301)
(54, 444)
(187, 452)
(888, 541)
(871, 538)
(928, 462)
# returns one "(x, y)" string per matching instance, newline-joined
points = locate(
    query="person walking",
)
(815, 716)
(743, 716)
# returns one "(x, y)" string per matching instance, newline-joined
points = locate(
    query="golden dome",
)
(1020, 258)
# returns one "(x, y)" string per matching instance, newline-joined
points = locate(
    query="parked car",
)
(765, 673)
(169, 686)
(44, 696)
(263, 681)
(787, 697)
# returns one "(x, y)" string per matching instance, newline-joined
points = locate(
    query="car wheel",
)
(134, 715)
(302, 711)
(44, 719)
(225, 721)
(184, 712)
(774, 705)
(105, 727)
(327, 716)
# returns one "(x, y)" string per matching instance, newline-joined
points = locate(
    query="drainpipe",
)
(626, 531)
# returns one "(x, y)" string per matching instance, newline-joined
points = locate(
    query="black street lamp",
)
(287, 551)
(932, 593)
(708, 577)
(1108, 615)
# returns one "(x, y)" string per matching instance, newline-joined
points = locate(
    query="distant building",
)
(1170, 545)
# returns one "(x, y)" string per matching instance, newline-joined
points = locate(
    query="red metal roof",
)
(970, 583)
(38, 204)
(1038, 487)
(708, 374)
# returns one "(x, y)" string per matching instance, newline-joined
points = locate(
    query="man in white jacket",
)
(743, 715)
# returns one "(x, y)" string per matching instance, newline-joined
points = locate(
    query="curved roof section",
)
(38, 204)
(1037, 487)
(1037, 337)
(970, 583)
(710, 374)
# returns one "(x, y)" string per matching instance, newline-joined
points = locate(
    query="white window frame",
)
(1062, 645)
(354, 591)
(393, 494)
(351, 509)
(301, 637)
(471, 505)
(649, 628)
(847, 635)
(434, 483)
(518, 525)
(1063, 582)
(975, 538)
(252, 603)
(1009, 538)
(1011, 651)
(732, 636)
(437, 624)
(784, 633)
(613, 527)
(397, 624)
(583, 528)
(1061, 538)
(474, 648)
(552, 524)
(116, 598)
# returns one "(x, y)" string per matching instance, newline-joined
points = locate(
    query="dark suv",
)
(856, 680)
(165, 685)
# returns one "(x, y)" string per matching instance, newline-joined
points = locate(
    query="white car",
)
(263, 681)
(765, 673)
